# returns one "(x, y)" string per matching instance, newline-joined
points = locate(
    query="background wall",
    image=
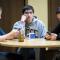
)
(11, 13)
(41, 9)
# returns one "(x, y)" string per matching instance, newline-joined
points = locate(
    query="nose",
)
(29, 14)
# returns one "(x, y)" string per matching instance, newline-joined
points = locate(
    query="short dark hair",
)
(58, 10)
(27, 7)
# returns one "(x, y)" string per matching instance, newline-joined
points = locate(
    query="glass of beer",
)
(21, 36)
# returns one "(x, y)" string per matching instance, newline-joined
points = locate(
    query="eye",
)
(30, 12)
(26, 12)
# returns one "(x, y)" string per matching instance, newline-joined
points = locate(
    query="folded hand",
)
(52, 36)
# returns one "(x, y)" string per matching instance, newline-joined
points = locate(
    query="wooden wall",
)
(11, 13)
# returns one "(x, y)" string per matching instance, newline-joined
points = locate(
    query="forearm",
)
(11, 35)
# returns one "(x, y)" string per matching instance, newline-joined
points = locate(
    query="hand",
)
(52, 36)
(23, 18)
(48, 36)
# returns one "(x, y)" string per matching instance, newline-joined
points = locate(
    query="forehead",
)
(28, 11)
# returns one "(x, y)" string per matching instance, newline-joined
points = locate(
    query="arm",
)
(11, 35)
(55, 35)
(14, 33)
(42, 29)
(57, 31)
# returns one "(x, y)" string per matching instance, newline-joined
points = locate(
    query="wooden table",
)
(33, 43)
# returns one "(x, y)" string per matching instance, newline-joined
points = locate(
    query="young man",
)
(27, 23)
(30, 22)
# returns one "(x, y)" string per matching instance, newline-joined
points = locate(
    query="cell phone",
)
(49, 32)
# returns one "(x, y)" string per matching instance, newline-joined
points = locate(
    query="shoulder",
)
(17, 22)
(38, 21)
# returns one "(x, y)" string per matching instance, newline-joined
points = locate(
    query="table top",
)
(32, 43)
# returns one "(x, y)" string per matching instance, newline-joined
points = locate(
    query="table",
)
(33, 43)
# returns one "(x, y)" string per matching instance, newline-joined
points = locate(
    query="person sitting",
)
(55, 35)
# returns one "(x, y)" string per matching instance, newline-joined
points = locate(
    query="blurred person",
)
(55, 34)
(2, 32)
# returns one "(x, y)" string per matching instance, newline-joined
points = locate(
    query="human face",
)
(58, 16)
(29, 15)
(0, 13)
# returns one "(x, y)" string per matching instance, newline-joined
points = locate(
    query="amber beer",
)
(21, 37)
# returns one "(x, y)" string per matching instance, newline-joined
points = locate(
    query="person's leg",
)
(14, 56)
(3, 55)
(50, 54)
(31, 54)
(56, 56)
(42, 54)
(28, 53)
